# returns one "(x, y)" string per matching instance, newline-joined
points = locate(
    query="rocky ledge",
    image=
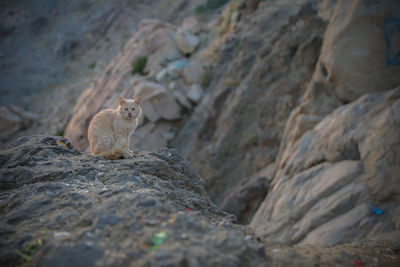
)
(61, 207)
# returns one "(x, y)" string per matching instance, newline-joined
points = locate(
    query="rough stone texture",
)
(192, 24)
(59, 207)
(327, 184)
(158, 102)
(195, 72)
(90, 211)
(353, 61)
(264, 64)
(186, 41)
(195, 93)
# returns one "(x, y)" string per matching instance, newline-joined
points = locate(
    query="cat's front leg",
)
(128, 150)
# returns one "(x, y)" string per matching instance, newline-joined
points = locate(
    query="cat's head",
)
(129, 109)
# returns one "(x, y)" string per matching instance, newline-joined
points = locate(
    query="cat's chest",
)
(125, 128)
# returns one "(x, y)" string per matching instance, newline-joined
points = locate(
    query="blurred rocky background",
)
(289, 111)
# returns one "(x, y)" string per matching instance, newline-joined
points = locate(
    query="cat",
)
(110, 130)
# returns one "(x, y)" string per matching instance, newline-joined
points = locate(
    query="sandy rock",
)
(187, 42)
(195, 73)
(353, 54)
(157, 102)
(161, 47)
(344, 71)
(195, 93)
(192, 25)
(335, 174)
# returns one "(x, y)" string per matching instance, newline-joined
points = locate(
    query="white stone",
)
(195, 93)
(175, 68)
(162, 76)
(187, 42)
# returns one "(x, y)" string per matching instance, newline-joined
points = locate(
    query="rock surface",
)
(186, 41)
(335, 175)
(62, 208)
(90, 211)
(262, 72)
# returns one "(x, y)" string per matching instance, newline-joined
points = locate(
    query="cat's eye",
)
(126, 109)
(133, 109)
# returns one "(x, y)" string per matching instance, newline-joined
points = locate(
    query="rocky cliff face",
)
(289, 110)
(60, 207)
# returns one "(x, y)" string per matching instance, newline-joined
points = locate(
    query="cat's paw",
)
(130, 153)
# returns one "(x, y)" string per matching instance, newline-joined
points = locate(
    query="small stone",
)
(195, 93)
(194, 73)
(175, 68)
(162, 75)
(182, 99)
(187, 42)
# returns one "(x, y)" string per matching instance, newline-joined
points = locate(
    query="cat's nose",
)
(130, 114)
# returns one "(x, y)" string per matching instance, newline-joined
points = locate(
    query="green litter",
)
(158, 239)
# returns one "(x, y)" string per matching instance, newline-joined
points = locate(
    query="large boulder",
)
(355, 59)
(339, 182)
(186, 41)
(158, 102)
(63, 208)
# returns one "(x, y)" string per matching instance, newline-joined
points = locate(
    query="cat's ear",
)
(121, 101)
(137, 100)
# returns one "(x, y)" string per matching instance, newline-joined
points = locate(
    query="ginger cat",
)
(110, 130)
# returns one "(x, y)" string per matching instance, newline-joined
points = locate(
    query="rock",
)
(236, 128)
(181, 98)
(162, 76)
(150, 136)
(187, 42)
(343, 72)
(113, 201)
(194, 93)
(160, 45)
(14, 119)
(351, 67)
(175, 68)
(335, 174)
(192, 25)
(245, 199)
(177, 88)
(195, 73)
(157, 102)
